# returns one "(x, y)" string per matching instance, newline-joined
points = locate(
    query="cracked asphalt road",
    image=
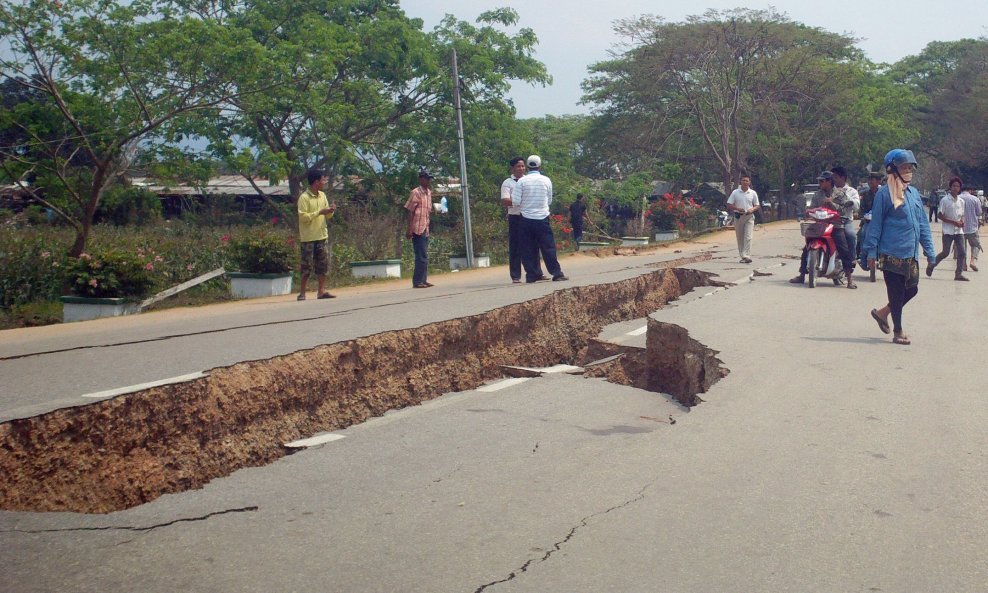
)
(828, 460)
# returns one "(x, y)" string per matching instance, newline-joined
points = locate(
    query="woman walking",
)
(898, 227)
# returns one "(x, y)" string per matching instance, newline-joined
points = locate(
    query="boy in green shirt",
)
(313, 212)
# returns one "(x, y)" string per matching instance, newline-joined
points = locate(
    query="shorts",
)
(314, 257)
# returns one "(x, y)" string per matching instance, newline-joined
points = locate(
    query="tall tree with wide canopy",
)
(952, 79)
(109, 77)
(728, 83)
(358, 87)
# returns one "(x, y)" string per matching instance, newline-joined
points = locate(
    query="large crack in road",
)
(129, 450)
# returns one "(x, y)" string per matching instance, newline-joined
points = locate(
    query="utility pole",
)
(464, 186)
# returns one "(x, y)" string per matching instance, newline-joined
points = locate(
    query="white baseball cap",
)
(534, 161)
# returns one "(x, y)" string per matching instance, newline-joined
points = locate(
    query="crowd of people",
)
(893, 229)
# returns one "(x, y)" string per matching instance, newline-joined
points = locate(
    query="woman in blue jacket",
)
(898, 227)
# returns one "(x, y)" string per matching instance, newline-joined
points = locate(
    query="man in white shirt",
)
(743, 202)
(532, 196)
(514, 219)
(972, 222)
(952, 219)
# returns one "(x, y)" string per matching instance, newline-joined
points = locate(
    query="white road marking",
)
(559, 368)
(502, 384)
(314, 440)
(132, 388)
(637, 332)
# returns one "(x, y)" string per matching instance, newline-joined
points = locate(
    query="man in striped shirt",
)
(532, 196)
(419, 206)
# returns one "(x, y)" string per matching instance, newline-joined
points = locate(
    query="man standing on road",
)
(972, 220)
(419, 206)
(934, 204)
(743, 202)
(952, 221)
(824, 199)
(577, 212)
(532, 196)
(514, 219)
(313, 212)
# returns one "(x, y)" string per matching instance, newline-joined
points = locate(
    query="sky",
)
(574, 34)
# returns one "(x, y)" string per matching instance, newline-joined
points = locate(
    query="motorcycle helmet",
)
(898, 157)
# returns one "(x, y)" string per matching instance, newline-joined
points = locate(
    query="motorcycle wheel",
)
(812, 266)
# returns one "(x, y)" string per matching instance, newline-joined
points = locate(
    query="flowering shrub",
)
(261, 253)
(562, 231)
(672, 212)
(111, 274)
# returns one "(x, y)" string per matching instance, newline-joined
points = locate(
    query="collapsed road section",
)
(129, 450)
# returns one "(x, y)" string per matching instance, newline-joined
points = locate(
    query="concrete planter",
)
(459, 262)
(84, 308)
(633, 241)
(251, 286)
(590, 245)
(666, 235)
(378, 268)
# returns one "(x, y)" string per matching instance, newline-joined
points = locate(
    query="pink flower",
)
(93, 282)
(158, 258)
(225, 238)
(85, 256)
(189, 267)
(149, 266)
(47, 254)
(274, 221)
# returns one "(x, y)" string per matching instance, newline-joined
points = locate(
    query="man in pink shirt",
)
(419, 206)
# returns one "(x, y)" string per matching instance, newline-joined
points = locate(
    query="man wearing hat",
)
(532, 196)
(824, 199)
(419, 206)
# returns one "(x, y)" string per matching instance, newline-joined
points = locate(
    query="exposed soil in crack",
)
(672, 362)
(129, 450)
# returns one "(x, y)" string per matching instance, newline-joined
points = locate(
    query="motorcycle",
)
(723, 218)
(821, 258)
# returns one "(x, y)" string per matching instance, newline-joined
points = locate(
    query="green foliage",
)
(261, 252)
(715, 88)
(110, 274)
(128, 205)
(32, 265)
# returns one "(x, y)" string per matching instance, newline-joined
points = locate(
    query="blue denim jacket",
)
(898, 231)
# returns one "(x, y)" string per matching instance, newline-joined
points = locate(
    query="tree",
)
(722, 81)
(108, 78)
(358, 87)
(952, 79)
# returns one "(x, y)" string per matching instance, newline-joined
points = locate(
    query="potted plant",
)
(106, 284)
(261, 263)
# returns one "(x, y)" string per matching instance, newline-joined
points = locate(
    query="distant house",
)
(710, 191)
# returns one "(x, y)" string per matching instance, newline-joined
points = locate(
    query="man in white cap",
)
(532, 196)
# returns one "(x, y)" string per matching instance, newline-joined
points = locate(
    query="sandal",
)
(882, 323)
(300, 297)
(326, 295)
(901, 339)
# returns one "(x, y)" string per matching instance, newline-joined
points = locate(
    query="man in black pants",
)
(532, 195)
(577, 210)
(514, 219)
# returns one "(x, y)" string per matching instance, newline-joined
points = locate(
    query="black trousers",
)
(514, 248)
(536, 236)
(899, 295)
(957, 241)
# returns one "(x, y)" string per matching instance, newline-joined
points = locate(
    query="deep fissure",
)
(129, 450)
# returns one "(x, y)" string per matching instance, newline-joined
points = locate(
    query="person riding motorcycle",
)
(824, 198)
